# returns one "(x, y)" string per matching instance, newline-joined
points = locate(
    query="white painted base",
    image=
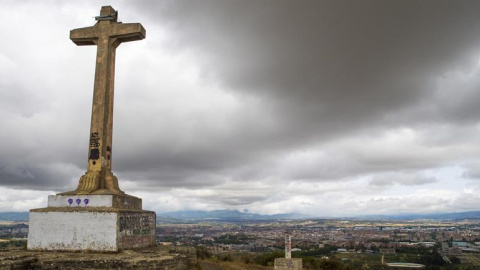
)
(90, 229)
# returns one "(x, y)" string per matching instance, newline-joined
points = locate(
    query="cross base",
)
(103, 223)
(90, 229)
(90, 183)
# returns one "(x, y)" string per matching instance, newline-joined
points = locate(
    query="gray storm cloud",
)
(264, 93)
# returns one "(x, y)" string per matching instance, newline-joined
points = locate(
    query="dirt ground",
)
(159, 257)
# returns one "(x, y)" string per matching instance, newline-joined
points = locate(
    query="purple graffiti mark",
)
(78, 201)
(86, 201)
(70, 201)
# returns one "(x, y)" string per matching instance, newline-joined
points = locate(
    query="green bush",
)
(202, 253)
(267, 259)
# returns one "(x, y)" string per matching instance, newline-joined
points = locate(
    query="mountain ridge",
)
(434, 216)
(225, 215)
(235, 215)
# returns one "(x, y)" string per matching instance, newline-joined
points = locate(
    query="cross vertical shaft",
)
(288, 245)
(107, 34)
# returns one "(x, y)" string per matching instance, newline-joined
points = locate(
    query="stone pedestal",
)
(100, 220)
(288, 264)
(106, 223)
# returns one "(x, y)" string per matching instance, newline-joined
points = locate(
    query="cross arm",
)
(84, 36)
(125, 32)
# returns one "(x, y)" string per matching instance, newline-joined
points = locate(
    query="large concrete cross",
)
(107, 34)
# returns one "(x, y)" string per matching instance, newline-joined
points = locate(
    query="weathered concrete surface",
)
(107, 34)
(161, 257)
(82, 201)
(90, 229)
(288, 264)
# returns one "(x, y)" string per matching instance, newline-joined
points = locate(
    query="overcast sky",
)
(329, 108)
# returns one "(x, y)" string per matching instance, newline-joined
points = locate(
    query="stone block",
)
(288, 264)
(90, 229)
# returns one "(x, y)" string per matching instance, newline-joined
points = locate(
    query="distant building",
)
(387, 250)
(459, 244)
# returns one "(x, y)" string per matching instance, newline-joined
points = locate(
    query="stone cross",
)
(107, 34)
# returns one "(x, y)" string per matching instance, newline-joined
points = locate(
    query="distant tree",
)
(202, 253)
(227, 257)
(247, 259)
(331, 265)
(455, 260)
(365, 266)
(267, 259)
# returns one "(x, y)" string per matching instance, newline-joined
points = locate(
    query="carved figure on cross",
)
(107, 34)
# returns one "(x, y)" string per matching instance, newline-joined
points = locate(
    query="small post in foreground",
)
(288, 263)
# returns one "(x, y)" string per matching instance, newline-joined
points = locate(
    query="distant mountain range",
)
(183, 216)
(222, 215)
(237, 216)
(436, 216)
(234, 215)
(14, 216)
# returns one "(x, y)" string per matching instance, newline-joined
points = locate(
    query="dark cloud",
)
(325, 69)
(265, 93)
(320, 62)
(38, 176)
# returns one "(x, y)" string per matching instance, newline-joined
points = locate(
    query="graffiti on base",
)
(134, 241)
(136, 224)
(78, 201)
(136, 230)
